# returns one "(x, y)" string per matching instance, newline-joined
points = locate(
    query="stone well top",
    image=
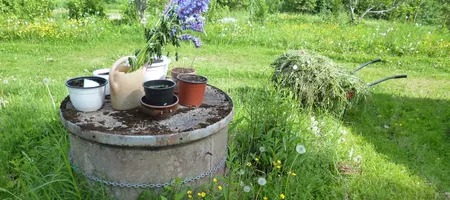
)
(135, 128)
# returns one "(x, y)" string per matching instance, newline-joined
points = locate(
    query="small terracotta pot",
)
(174, 72)
(181, 70)
(191, 89)
(160, 112)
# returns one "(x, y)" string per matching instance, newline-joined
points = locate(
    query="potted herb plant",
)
(179, 17)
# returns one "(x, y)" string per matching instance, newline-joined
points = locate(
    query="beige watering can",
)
(126, 88)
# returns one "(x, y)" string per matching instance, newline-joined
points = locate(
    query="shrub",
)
(26, 9)
(234, 4)
(259, 11)
(316, 81)
(216, 11)
(84, 8)
(129, 12)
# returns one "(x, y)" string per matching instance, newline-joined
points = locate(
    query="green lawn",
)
(396, 145)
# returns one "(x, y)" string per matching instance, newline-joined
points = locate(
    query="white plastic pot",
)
(103, 71)
(157, 70)
(86, 96)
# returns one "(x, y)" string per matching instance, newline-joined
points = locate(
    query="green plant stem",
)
(289, 175)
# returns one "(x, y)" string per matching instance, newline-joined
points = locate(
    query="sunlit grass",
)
(394, 146)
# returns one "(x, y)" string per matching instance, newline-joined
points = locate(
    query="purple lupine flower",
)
(197, 42)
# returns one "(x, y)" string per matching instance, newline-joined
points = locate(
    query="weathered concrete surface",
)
(148, 165)
(150, 157)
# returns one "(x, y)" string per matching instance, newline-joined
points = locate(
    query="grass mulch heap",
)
(316, 81)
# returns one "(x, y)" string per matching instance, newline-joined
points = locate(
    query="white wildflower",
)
(344, 132)
(46, 81)
(5, 82)
(227, 20)
(295, 67)
(386, 126)
(262, 149)
(262, 181)
(247, 188)
(300, 149)
(241, 172)
(358, 159)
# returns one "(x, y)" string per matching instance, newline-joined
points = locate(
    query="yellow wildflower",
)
(215, 180)
(203, 194)
(249, 164)
(219, 187)
(265, 198)
(279, 162)
(256, 159)
(279, 167)
(199, 194)
(282, 196)
(189, 196)
(189, 192)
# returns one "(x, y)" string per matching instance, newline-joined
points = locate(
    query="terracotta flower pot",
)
(174, 72)
(160, 112)
(191, 89)
(181, 70)
(126, 88)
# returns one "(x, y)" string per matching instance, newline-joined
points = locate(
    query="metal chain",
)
(143, 185)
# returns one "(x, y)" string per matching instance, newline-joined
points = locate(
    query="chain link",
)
(143, 185)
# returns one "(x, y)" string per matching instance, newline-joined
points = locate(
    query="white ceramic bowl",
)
(87, 99)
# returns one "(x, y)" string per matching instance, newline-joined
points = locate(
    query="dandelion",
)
(215, 180)
(358, 159)
(46, 81)
(282, 196)
(300, 149)
(202, 194)
(249, 164)
(247, 188)
(262, 149)
(219, 187)
(262, 181)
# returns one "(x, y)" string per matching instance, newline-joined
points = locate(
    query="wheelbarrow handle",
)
(387, 78)
(367, 63)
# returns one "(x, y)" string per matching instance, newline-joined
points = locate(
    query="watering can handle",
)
(112, 74)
